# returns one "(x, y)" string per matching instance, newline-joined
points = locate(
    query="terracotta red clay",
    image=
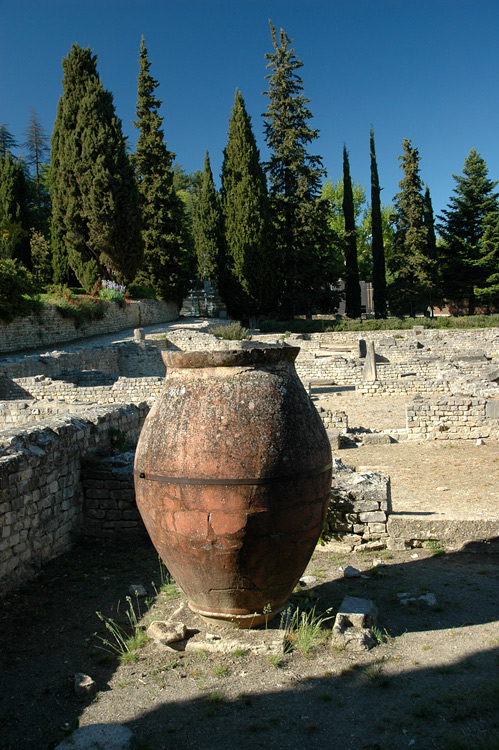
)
(233, 477)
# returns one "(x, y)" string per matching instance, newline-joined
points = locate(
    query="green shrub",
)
(230, 332)
(321, 325)
(18, 290)
(82, 308)
(139, 291)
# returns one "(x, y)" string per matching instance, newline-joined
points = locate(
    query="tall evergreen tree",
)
(247, 227)
(167, 265)
(410, 268)
(352, 286)
(14, 216)
(462, 227)
(377, 244)
(95, 204)
(37, 148)
(207, 226)
(304, 239)
(7, 140)
(488, 293)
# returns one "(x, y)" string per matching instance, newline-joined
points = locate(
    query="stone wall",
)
(454, 417)
(41, 494)
(359, 507)
(48, 327)
(109, 507)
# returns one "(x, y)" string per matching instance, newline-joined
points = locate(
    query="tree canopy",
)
(462, 226)
(303, 237)
(167, 265)
(95, 206)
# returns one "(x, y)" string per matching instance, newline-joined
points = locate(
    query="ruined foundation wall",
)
(41, 494)
(453, 417)
(47, 327)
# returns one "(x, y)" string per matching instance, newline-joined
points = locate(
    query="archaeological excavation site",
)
(283, 524)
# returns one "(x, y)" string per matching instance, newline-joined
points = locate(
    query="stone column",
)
(369, 374)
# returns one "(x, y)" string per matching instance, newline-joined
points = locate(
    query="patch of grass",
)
(435, 546)
(376, 676)
(382, 636)
(239, 652)
(220, 670)
(125, 645)
(275, 660)
(305, 631)
(214, 697)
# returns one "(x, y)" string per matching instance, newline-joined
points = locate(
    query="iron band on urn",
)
(220, 482)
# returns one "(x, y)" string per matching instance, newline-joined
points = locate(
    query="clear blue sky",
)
(426, 70)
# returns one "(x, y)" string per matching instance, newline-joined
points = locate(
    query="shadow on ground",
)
(377, 700)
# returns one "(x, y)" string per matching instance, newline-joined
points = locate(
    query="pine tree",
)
(304, 260)
(377, 244)
(488, 293)
(38, 151)
(207, 226)
(168, 259)
(410, 289)
(14, 216)
(352, 287)
(462, 227)
(246, 217)
(95, 206)
(7, 141)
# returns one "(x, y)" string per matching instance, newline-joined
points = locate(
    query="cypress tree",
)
(247, 228)
(411, 281)
(462, 227)
(14, 218)
(303, 238)
(168, 259)
(37, 148)
(95, 208)
(377, 244)
(207, 226)
(352, 286)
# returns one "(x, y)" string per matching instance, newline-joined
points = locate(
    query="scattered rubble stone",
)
(84, 684)
(352, 624)
(166, 632)
(99, 737)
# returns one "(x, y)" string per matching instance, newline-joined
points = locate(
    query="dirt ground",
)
(431, 682)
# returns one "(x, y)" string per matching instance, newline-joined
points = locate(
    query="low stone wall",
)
(48, 327)
(359, 507)
(455, 417)
(109, 507)
(41, 494)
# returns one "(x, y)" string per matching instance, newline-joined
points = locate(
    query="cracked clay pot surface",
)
(233, 477)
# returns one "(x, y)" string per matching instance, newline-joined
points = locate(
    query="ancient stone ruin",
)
(64, 414)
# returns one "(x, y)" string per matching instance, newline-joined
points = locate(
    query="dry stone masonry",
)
(61, 413)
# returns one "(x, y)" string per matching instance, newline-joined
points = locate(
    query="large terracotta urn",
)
(233, 477)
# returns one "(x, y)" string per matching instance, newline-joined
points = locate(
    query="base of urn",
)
(241, 622)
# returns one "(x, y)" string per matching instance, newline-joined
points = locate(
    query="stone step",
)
(453, 532)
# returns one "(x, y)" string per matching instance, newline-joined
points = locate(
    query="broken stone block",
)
(334, 439)
(376, 438)
(99, 737)
(351, 572)
(166, 632)
(356, 612)
(84, 684)
(352, 623)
